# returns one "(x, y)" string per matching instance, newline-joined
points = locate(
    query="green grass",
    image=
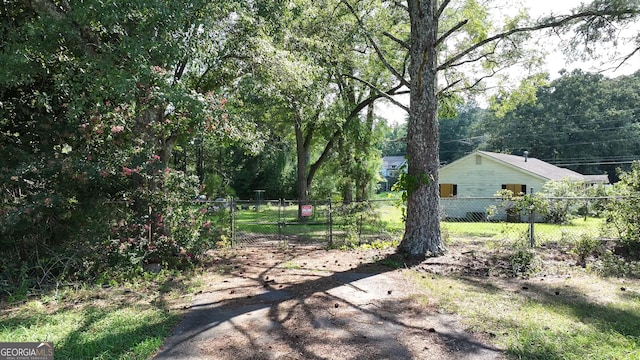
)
(387, 195)
(94, 322)
(582, 317)
(265, 221)
(388, 218)
(567, 233)
(134, 332)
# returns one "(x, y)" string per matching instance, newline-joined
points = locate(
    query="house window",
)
(448, 190)
(516, 189)
(478, 160)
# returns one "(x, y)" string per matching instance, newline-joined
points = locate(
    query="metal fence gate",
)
(280, 221)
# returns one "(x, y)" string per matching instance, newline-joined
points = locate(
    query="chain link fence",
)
(545, 220)
(282, 221)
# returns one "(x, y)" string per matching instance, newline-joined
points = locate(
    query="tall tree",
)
(305, 82)
(447, 40)
(582, 121)
(94, 97)
(456, 139)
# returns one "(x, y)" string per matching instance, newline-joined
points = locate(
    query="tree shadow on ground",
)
(545, 341)
(353, 313)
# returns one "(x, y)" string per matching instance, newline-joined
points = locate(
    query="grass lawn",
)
(94, 323)
(543, 232)
(579, 317)
(387, 217)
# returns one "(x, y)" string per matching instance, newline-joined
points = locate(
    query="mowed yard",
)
(569, 298)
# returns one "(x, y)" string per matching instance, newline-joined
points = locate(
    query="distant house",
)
(482, 174)
(391, 166)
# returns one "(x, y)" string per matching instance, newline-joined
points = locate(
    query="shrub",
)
(524, 261)
(623, 212)
(586, 246)
(610, 264)
(560, 211)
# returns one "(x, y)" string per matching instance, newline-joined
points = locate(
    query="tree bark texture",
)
(363, 176)
(302, 152)
(422, 237)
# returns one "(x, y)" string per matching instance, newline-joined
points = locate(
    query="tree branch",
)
(401, 42)
(446, 88)
(310, 130)
(45, 6)
(353, 115)
(57, 12)
(551, 24)
(475, 83)
(379, 91)
(478, 58)
(443, 6)
(401, 5)
(451, 31)
(375, 46)
(627, 58)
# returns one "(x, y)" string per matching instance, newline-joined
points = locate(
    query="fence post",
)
(284, 223)
(280, 212)
(532, 239)
(360, 228)
(330, 224)
(232, 215)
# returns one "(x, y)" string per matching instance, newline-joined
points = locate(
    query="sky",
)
(555, 60)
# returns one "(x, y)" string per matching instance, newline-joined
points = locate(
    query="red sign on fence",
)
(306, 210)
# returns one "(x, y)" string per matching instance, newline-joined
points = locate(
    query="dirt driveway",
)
(304, 302)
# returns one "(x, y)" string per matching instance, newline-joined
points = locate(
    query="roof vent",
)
(526, 155)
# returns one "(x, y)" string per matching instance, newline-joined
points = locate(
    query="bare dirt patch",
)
(305, 302)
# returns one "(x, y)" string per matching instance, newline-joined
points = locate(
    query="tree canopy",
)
(452, 47)
(582, 121)
(115, 116)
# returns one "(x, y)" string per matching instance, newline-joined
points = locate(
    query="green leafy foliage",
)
(96, 97)
(524, 261)
(582, 121)
(623, 214)
(557, 203)
(354, 218)
(586, 246)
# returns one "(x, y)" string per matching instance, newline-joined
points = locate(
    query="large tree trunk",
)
(302, 153)
(422, 235)
(364, 176)
(347, 193)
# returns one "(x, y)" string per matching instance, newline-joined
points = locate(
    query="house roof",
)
(393, 162)
(535, 166)
(597, 179)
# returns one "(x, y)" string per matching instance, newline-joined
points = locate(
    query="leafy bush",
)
(174, 229)
(586, 246)
(623, 212)
(523, 260)
(610, 264)
(553, 202)
(560, 211)
(356, 219)
(516, 205)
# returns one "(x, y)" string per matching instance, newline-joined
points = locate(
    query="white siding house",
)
(482, 174)
(391, 166)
